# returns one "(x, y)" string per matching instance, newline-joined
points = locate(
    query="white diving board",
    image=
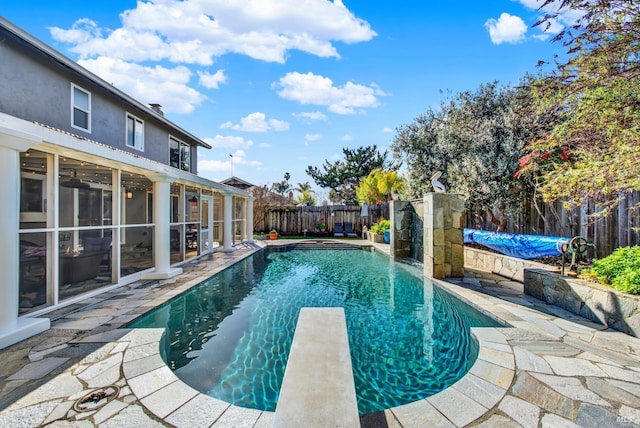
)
(318, 389)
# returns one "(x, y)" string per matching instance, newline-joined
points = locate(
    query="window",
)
(179, 154)
(80, 108)
(135, 132)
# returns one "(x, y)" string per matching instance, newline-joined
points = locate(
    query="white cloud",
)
(312, 137)
(257, 122)
(212, 81)
(506, 29)
(229, 142)
(347, 137)
(311, 116)
(562, 17)
(313, 89)
(387, 130)
(226, 163)
(157, 84)
(213, 165)
(197, 31)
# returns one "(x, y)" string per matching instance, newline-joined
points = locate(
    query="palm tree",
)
(303, 187)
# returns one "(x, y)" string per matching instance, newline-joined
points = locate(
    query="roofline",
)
(75, 67)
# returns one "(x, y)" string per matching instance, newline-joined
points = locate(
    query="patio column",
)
(249, 219)
(12, 328)
(227, 245)
(161, 217)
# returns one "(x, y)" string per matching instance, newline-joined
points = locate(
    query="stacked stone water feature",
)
(443, 235)
(439, 217)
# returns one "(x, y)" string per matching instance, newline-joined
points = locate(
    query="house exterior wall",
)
(35, 88)
(85, 218)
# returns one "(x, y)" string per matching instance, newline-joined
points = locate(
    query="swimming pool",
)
(229, 337)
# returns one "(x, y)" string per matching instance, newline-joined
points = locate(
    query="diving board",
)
(318, 389)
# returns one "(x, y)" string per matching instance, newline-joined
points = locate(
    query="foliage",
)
(303, 187)
(342, 176)
(282, 187)
(260, 204)
(380, 227)
(321, 226)
(306, 198)
(475, 139)
(621, 270)
(590, 151)
(378, 186)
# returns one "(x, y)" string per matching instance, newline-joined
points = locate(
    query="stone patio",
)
(549, 369)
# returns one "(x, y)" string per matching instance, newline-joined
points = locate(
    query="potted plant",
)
(377, 231)
(273, 234)
(321, 227)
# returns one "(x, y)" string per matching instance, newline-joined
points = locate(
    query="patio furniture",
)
(337, 230)
(93, 244)
(80, 267)
(348, 229)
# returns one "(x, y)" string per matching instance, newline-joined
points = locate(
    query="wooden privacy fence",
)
(295, 220)
(620, 228)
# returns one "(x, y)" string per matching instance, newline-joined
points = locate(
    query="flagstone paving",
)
(550, 368)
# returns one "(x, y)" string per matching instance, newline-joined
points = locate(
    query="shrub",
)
(621, 270)
(380, 227)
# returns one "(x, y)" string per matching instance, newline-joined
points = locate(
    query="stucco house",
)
(97, 189)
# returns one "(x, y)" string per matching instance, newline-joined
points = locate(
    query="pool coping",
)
(468, 399)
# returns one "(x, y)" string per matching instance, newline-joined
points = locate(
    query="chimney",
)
(157, 108)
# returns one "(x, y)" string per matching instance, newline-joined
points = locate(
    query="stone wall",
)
(595, 302)
(509, 267)
(417, 231)
(443, 244)
(401, 215)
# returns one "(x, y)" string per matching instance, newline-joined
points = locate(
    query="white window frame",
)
(73, 107)
(136, 121)
(180, 145)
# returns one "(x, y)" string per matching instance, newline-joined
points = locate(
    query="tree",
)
(303, 187)
(475, 139)
(260, 205)
(591, 152)
(379, 186)
(282, 187)
(306, 198)
(343, 176)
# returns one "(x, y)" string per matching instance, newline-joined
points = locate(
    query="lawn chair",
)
(348, 229)
(337, 230)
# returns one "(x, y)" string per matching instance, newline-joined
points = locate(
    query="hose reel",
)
(577, 246)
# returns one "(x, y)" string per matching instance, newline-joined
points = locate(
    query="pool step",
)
(318, 389)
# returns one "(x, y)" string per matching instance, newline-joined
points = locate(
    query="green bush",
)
(380, 227)
(621, 270)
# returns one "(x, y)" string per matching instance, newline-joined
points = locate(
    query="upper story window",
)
(179, 154)
(80, 108)
(135, 132)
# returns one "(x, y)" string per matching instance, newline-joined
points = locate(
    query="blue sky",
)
(283, 84)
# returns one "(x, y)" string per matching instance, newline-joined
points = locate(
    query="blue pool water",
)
(230, 336)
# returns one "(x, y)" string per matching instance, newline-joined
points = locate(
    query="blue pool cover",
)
(516, 245)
